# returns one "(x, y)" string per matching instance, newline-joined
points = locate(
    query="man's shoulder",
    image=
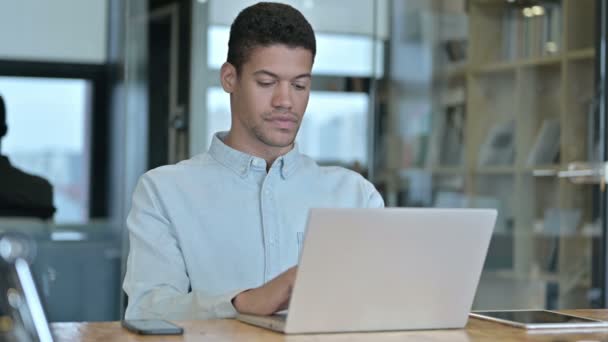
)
(346, 187)
(331, 171)
(339, 171)
(16, 177)
(194, 166)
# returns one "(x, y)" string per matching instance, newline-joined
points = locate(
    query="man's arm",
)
(267, 299)
(156, 281)
(275, 295)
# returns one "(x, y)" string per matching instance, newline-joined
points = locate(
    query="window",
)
(348, 55)
(48, 121)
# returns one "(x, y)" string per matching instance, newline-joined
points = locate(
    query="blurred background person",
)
(21, 194)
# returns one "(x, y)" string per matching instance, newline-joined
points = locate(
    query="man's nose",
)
(282, 96)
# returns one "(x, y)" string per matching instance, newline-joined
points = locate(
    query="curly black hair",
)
(265, 24)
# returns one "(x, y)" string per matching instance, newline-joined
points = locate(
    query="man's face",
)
(269, 96)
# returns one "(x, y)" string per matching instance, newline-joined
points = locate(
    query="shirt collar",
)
(241, 162)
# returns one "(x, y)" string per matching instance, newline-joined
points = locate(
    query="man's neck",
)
(268, 153)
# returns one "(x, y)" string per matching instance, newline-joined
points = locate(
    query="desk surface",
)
(231, 330)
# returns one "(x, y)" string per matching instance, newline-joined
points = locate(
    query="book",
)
(546, 146)
(452, 137)
(527, 33)
(446, 141)
(434, 148)
(452, 199)
(456, 50)
(499, 145)
(593, 133)
(561, 221)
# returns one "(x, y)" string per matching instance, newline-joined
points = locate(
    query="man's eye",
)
(299, 86)
(265, 84)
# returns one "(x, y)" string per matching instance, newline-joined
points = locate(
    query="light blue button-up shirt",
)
(210, 227)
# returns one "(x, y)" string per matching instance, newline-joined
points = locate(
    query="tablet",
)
(538, 319)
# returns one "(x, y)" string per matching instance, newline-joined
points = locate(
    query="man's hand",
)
(269, 298)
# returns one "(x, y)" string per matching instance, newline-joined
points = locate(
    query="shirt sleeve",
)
(156, 279)
(374, 200)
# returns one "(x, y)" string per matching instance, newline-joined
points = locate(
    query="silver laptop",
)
(386, 269)
(22, 316)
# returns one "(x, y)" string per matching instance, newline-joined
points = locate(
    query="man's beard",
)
(259, 133)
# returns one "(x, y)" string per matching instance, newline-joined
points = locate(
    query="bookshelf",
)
(538, 72)
(523, 75)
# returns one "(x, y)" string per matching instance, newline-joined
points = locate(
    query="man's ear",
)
(228, 77)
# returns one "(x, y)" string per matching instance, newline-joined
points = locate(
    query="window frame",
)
(97, 75)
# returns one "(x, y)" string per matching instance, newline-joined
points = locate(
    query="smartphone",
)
(152, 327)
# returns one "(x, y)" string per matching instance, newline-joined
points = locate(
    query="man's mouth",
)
(283, 122)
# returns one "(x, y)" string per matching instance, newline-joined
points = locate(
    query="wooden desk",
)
(231, 330)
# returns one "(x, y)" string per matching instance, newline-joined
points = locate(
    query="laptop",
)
(22, 316)
(390, 269)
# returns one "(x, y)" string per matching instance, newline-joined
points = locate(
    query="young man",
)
(221, 232)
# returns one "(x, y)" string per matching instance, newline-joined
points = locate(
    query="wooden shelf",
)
(530, 91)
(446, 170)
(541, 61)
(529, 232)
(543, 276)
(512, 65)
(581, 54)
(543, 166)
(495, 170)
(451, 73)
(404, 171)
(442, 170)
(495, 67)
(497, 3)
(510, 274)
(542, 170)
(499, 169)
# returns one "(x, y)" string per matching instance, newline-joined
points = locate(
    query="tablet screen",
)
(534, 317)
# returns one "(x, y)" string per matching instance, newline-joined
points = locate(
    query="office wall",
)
(324, 16)
(69, 31)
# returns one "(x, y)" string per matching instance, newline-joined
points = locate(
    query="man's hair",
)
(265, 24)
(3, 127)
